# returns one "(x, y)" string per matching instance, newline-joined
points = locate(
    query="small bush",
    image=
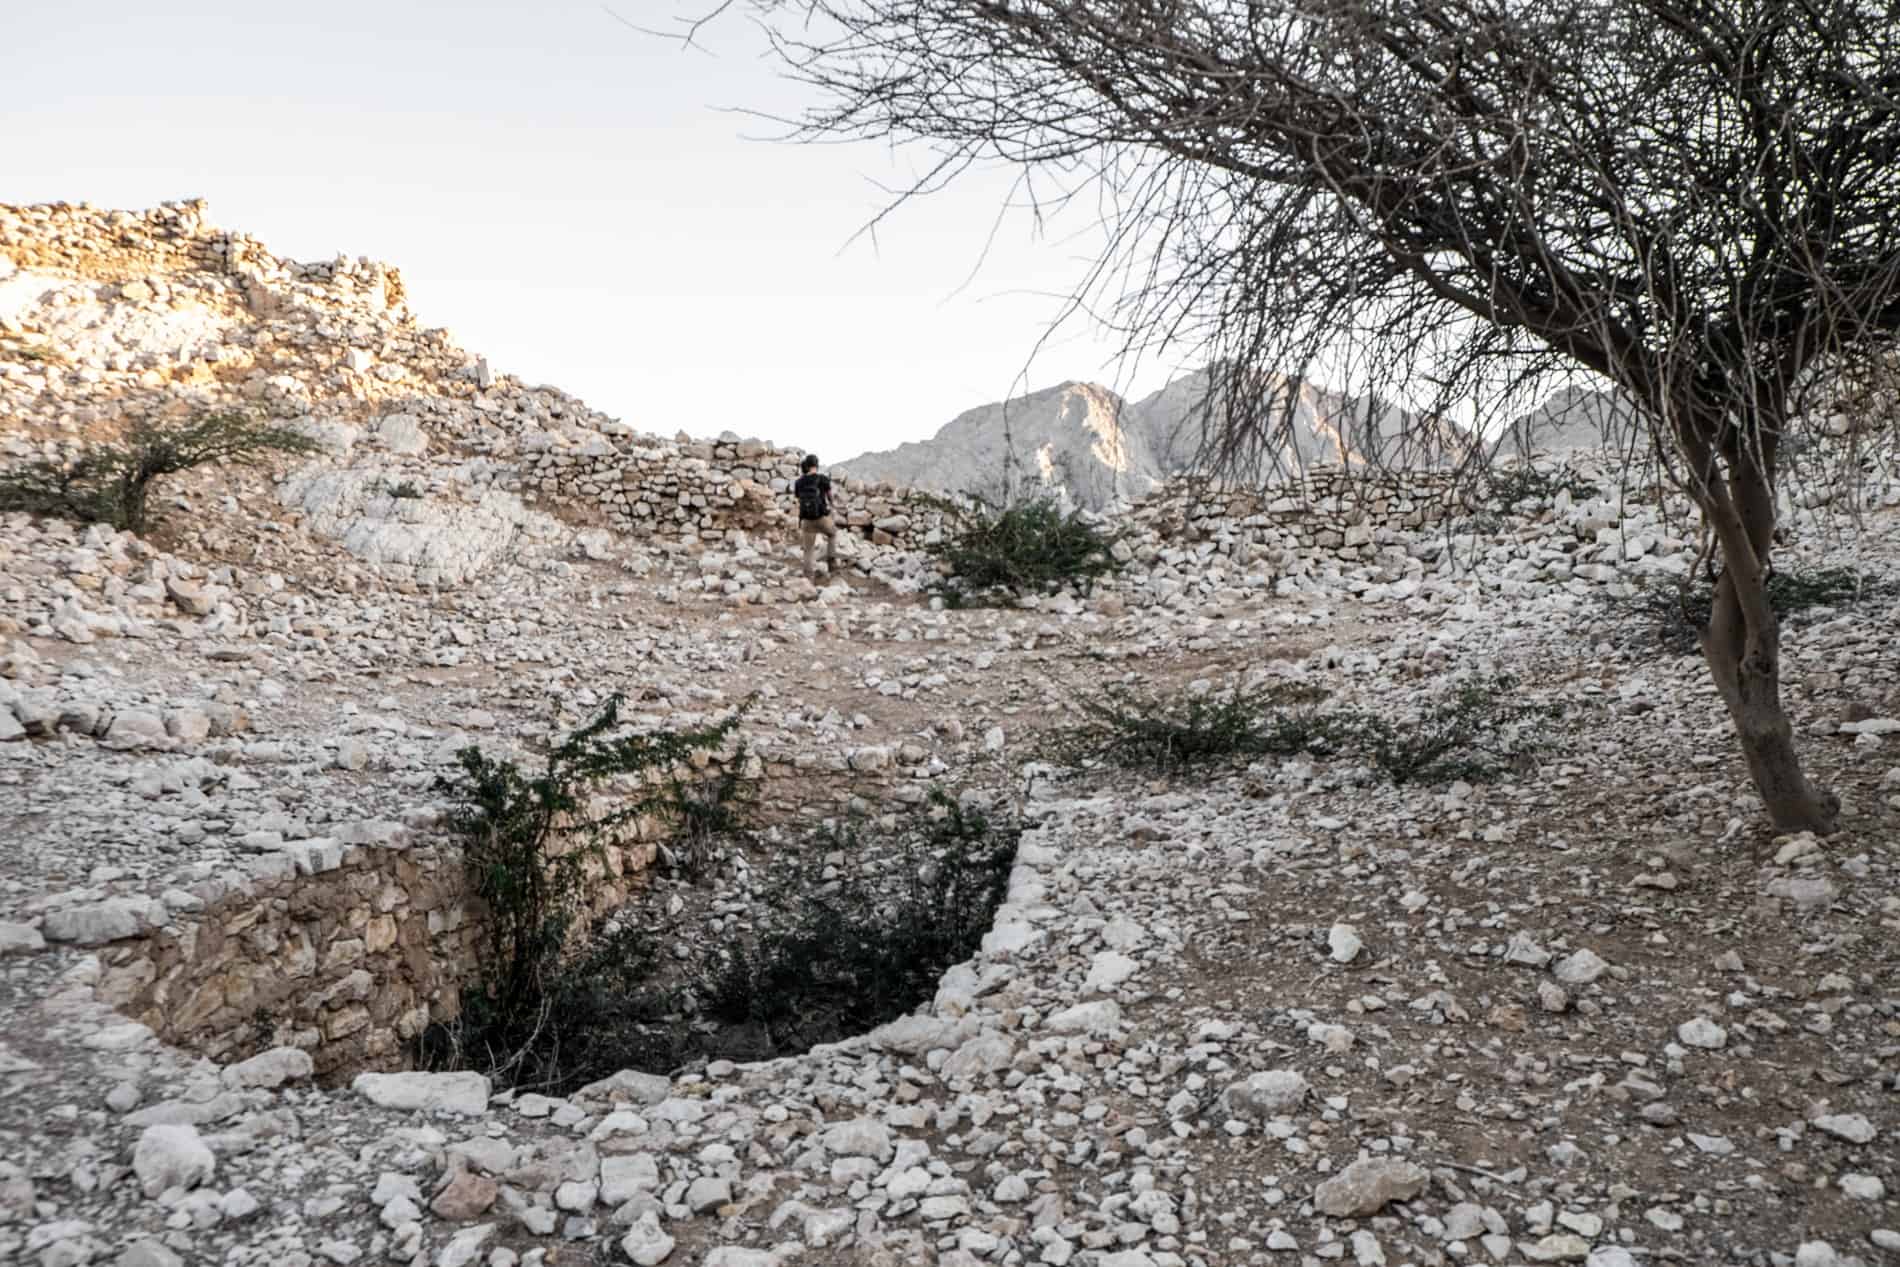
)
(405, 489)
(1673, 616)
(111, 482)
(1482, 524)
(1474, 731)
(1143, 729)
(996, 554)
(528, 841)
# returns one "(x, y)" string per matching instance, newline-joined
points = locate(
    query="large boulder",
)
(433, 541)
(271, 1069)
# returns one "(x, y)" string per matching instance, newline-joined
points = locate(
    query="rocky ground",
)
(1590, 1012)
(1594, 1012)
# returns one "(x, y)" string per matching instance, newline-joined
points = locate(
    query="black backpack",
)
(812, 502)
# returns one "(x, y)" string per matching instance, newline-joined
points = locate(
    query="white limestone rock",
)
(860, 1137)
(269, 1070)
(646, 1243)
(465, 1094)
(1852, 1127)
(1368, 1186)
(1265, 1095)
(1581, 967)
(1099, 1017)
(95, 923)
(172, 1157)
(402, 433)
(1702, 1032)
(625, 1175)
(20, 939)
(1108, 970)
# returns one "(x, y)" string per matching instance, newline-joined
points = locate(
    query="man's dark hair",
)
(810, 463)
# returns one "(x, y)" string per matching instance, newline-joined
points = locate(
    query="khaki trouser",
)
(809, 530)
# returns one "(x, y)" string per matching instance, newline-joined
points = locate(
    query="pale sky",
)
(572, 199)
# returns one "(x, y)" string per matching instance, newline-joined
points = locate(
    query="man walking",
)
(814, 514)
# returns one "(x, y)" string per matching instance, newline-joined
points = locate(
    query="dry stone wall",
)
(349, 946)
(1339, 510)
(690, 490)
(346, 949)
(711, 491)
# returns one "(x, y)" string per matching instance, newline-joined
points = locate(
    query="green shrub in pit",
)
(528, 840)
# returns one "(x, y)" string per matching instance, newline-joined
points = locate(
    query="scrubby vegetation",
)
(1478, 729)
(1671, 615)
(1475, 730)
(1141, 728)
(996, 554)
(705, 810)
(1500, 492)
(18, 349)
(529, 842)
(857, 925)
(110, 482)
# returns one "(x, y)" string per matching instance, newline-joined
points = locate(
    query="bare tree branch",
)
(1449, 206)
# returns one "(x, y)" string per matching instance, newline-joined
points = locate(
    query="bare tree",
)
(1696, 200)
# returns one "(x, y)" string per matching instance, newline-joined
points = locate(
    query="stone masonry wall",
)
(348, 947)
(704, 490)
(1339, 511)
(345, 950)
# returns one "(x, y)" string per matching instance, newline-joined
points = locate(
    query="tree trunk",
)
(1747, 673)
(1742, 646)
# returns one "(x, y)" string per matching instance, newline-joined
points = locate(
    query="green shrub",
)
(111, 482)
(1672, 616)
(838, 949)
(528, 840)
(19, 350)
(836, 953)
(705, 810)
(1165, 732)
(1473, 731)
(996, 554)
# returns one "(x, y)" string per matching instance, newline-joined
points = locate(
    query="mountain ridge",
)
(1089, 447)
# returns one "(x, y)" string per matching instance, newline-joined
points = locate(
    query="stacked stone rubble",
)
(170, 239)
